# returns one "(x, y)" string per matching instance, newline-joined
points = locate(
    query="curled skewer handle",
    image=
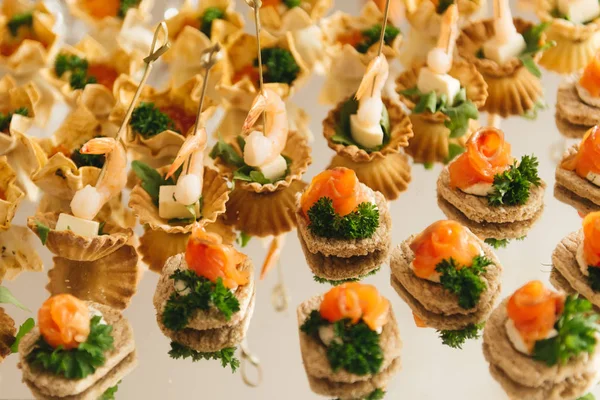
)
(254, 4)
(249, 358)
(280, 299)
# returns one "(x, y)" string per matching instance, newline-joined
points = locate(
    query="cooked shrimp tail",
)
(375, 77)
(191, 144)
(259, 106)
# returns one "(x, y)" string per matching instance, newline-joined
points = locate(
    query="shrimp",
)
(88, 201)
(189, 184)
(262, 149)
(368, 94)
(439, 59)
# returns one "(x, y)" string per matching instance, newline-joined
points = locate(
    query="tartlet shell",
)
(14, 195)
(17, 253)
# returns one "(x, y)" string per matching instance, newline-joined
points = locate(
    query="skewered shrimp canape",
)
(27, 36)
(449, 278)
(576, 261)
(356, 320)
(505, 52)
(350, 43)
(542, 345)
(444, 96)
(487, 190)
(344, 227)
(205, 298)
(578, 174)
(77, 350)
(578, 101)
(575, 27)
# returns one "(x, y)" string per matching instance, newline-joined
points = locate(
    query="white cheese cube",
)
(500, 52)
(366, 136)
(439, 83)
(579, 11)
(275, 169)
(79, 226)
(169, 208)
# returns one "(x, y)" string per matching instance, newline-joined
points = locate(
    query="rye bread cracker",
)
(574, 183)
(433, 298)
(210, 340)
(338, 268)
(345, 248)
(58, 386)
(564, 259)
(477, 209)
(485, 230)
(356, 390)
(314, 353)
(213, 318)
(572, 109)
(568, 129)
(97, 390)
(583, 206)
(560, 283)
(523, 371)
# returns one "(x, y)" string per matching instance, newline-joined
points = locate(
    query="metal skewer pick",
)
(255, 5)
(386, 13)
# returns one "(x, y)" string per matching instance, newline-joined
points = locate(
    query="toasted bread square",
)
(574, 183)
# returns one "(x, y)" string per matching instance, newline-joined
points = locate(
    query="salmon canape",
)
(449, 278)
(487, 190)
(578, 174)
(344, 227)
(351, 319)
(541, 344)
(205, 298)
(578, 101)
(78, 350)
(576, 261)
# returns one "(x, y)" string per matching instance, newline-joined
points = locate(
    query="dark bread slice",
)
(580, 204)
(58, 386)
(211, 319)
(567, 129)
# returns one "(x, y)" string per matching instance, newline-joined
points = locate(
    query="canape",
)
(449, 278)
(574, 26)
(350, 43)
(487, 190)
(27, 37)
(344, 227)
(162, 120)
(577, 175)
(204, 299)
(578, 101)
(266, 166)
(18, 253)
(505, 52)
(368, 132)
(78, 350)
(10, 194)
(444, 96)
(541, 345)
(355, 320)
(284, 70)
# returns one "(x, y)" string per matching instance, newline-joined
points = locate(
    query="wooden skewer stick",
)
(255, 5)
(449, 30)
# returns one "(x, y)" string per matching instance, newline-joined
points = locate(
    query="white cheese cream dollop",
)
(181, 288)
(480, 189)
(517, 340)
(97, 313)
(586, 96)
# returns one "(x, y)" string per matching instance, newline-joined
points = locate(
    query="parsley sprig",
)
(77, 66)
(148, 120)
(373, 34)
(464, 282)
(500, 243)
(577, 329)
(207, 19)
(125, 6)
(226, 356)
(109, 394)
(456, 338)
(359, 224)
(594, 278)
(151, 179)
(342, 281)
(18, 20)
(204, 295)
(532, 38)
(343, 132)
(75, 363)
(459, 111)
(279, 65)
(5, 119)
(377, 394)
(512, 187)
(24, 329)
(355, 348)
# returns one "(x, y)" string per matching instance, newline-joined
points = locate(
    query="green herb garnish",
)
(6, 297)
(342, 281)
(109, 394)
(206, 21)
(359, 224)
(500, 243)
(343, 132)
(533, 112)
(532, 38)
(292, 3)
(594, 278)
(243, 239)
(18, 20)
(443, 6)
(577, 328)
(454, 150)
(42, 231)
(377, 394)
(125, 6)
(588, 396)
(24, 329)
(464, 282)
(226, 356)
(77, 66)
(279, 65)
(148, 120)
(151, 179)
(79, 79)
(457, 338)
(512, 187)
(204, 294)
(5, 119)
(75, 363)
(87, 160)
(373, 34)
